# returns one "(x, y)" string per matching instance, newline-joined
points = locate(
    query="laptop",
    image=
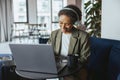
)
(35, 58)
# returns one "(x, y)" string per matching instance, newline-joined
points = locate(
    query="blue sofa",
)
(104, 61)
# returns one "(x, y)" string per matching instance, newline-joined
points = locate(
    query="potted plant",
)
(93, 17)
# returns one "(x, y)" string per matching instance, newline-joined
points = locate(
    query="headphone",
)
(77, 23)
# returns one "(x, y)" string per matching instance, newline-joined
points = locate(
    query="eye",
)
(67, 24)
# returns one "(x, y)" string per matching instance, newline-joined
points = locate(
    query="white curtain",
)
(6, 20)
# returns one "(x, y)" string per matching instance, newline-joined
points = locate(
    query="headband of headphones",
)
(72, 11)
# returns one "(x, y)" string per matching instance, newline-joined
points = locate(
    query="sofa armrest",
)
(114, 62)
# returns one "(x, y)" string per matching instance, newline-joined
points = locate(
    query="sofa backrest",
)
(98, 60)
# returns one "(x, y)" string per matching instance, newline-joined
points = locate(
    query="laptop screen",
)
(34, 57)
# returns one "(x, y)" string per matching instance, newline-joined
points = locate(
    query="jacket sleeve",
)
(85, 49)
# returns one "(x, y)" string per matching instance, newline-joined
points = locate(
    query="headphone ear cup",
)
(77, 24)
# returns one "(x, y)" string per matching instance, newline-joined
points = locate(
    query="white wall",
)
(111, 19)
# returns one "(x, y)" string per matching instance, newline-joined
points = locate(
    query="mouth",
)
(63, 30)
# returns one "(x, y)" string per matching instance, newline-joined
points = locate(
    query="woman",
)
(69, 40)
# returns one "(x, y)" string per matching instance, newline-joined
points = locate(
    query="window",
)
(20, 9)
(47, 12)
(56, 6)
(21, 18)
(41, 13)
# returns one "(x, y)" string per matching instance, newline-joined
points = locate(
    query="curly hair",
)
(71, 11)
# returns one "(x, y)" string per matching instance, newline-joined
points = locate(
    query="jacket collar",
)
(73, 41)
(58, 40)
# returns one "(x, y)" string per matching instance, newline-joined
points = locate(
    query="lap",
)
(80, 75)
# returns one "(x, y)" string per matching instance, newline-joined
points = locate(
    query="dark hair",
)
(74, 15)
(76, 9)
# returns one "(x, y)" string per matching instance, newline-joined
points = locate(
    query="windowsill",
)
(4, 48)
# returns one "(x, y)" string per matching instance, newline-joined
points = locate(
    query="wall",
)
(111, 19)
(71, 1)
(76, 2)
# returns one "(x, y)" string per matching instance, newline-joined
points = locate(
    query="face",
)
(65, 24)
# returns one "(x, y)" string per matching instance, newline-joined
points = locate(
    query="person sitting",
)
(70, 40)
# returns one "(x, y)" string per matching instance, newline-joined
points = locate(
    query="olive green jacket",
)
(79, 43)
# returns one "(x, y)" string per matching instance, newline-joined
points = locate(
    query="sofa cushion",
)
(114, 62)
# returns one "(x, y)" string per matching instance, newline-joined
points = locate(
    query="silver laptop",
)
(35, 58)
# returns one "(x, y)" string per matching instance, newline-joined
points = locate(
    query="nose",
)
(63, 26)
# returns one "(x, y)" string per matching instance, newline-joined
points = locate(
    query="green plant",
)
(93, 17)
